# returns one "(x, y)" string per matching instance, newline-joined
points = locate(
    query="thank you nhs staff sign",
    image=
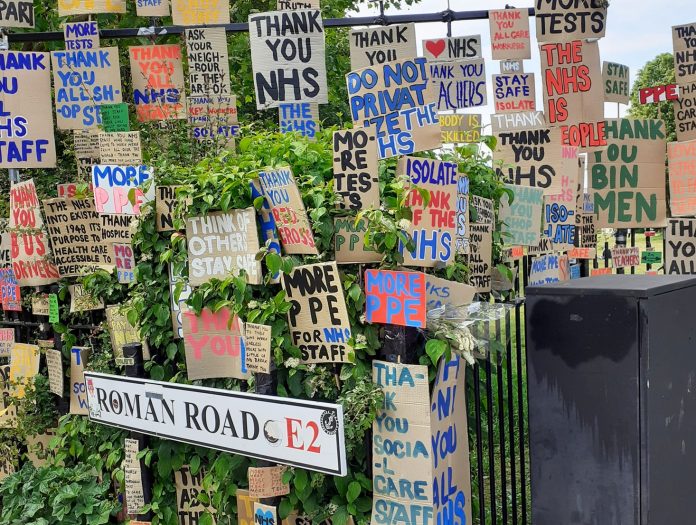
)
(305, 434)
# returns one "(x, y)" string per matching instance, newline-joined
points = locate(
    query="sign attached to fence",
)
(373, 46)
(301, 433)
(566, 21)
(510, 34)
(86, 7)
(158, 82)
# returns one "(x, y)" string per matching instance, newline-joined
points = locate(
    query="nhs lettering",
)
(112, 185)
(434, 227)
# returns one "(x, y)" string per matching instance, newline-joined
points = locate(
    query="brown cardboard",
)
(514, 93)
(81, 301)
(24, 365)
(509, 36)
(124, 260)
(78, 392)
(81, 35)
(38, 448)
(300, 117)
(549, 268)
(443, 293)
(213, 120)
(559, 212)
(155, 68)
(356, 168)
(56, 377)
(484, 212)
(86, 7)
(17, 13)
(267, 482)
(7, 339)
(680, 245)
(458, 128)
(257, 338)
(625, 256)
(122, 332)
(165, 201)
(8, 411)
(616, 79)
(558, 22)
(159, 8)
(245, 507)
(521, 219)
(453, 48)
(459, 84)
(684, 112)
(684, 58)
(480, 256)
(377, 45)
(133, 481)
(349, 242)
(39, 305)
(121, 147)
(188, 486)
(195, 12)
(208, 61)
(517, 121)
(681, 157)
(116, 228)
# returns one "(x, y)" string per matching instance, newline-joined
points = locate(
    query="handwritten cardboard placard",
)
(25, 211)
(188, 487)
(288, 57)
(194, 12)
(685, 112)
(74, 228)
(550, 268)
(114, 117)
(628, 177)
(86, 142)
(214, 345)
(179, 291)
(356, 168)
(222, 244)
(78, 391)
(502, 122)
(453, 48)
(441, 292)
(582, 253)
(522, 218)
(406, 419)
(265, 514)
(83, 80)
(121, 147)
(458, 128)
(459, 84)
(434, 228)
(566, 21)
(655, 94)
(585, 231)
(559, 212)
(165, 200)
(38, 448)
(24, 365)
(681, 157)
(133, 480)
(684, 43)
(124, 260)
(349, 242)
(213, 120)
(8, 411)
(299, 117)
(461, 244)
(39, 305)
(680, 247)
(514, 93)
(17, 13)
(209, 63)
(26, 99)
(625, 256)
(115, 228)
(245, 507)
(378, 45)
(150, 8)
(480, 256)
(510, 34)
(318, 318)
(7, 339)
(481, 210)
(398, 130)
(122, 332)
(288, 211)
(113, 184)
(158, 82)
(10, 294)
(5, 250)
(86, 7)
(7, 467)
(54, 364)
(544, 247)
(616, 80)
(257, 339)
(395, 298)
(267, 482)
(81, 35)
(511, 66)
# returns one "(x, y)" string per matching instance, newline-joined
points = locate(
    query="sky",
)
(637, 31)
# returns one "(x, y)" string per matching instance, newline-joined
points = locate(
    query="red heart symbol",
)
(435, 47)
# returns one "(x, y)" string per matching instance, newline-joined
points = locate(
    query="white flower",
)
(404, 224)
(360, 339)
(253, 305)
(363, 319)
(292, 362)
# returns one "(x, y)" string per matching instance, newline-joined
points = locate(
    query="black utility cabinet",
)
(612, 400)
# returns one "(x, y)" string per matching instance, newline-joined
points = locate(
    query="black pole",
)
(621, 242)
(133, 353)
(267, 385)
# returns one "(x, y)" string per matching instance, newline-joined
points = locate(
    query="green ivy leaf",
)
(353, 492)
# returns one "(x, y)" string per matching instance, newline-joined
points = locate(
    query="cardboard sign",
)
(356, 169)
(573, 95)
(566, 21)
(86, 143)
(288, 211)
(54, 364)
(559, 213)
(434, 227)
(75, 231)
(625, 257)
(115, 117)
(373, 46)
(511, 66)
(684, 43)
(651, 257)
(188, 487)
(38, 448)
(522, 218)
(545, 246)
(585, 231)
(395, 298)
(453, 48)
(122, 332)
(655, 94)
(206, 50)
(39, 305)
(443, 293)
(124, 260)
(482, 210)
(514, 93)
(222, 244)
(83, 80)
(460, 84)
(116, 228)
(450, 443)
(165, 200)
(517, 121)
(7, 339)
(5, 250)
(86, 7)
(349, 242)
(245, 507)
(292, 4)
(462, 238)
(133, 481)
(616, 80)
(177, 303)
(257, 339)
(121, 147)
(26, 102)
(288, 57)
(480, 256)
(113, 185)
(582, 253)
(318, 318)
(78, 397)
(158, 82)
(81, 35)
(265, 514)
(267, 482)
(152, 8)
(310, 437)
(685, 112)
(9, 291)
(628, 177)
(24, 365)
(404, 419)
(213, 120)
(407, 83)
(17, 13)
(680, 247)
(7, 468)
(682, 178)
(267, 224)
(459, 128)
(194, 12)
(214, 345)
(550, 268)
(299, 117)
(509, 36)
(25, 211)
